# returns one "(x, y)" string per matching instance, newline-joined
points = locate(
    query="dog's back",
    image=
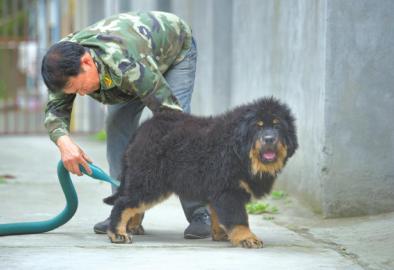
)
(167, 153)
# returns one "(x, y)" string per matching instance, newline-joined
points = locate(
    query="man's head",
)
(68, 67)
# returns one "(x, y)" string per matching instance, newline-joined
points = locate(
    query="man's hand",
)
(72, 155)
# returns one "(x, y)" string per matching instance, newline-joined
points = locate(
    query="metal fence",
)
(27, 28)
(21, 102)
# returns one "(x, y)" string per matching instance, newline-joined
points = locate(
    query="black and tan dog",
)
(224, 160)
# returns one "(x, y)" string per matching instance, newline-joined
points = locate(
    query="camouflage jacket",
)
(131, 51)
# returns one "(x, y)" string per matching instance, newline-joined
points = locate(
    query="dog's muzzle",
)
(269, 140)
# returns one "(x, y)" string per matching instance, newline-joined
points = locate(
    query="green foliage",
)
(278, 194)
(13, 25)
(2, 180)
(256, 208)
(101, 136)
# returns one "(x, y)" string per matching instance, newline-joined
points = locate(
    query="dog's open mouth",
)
(269, 156)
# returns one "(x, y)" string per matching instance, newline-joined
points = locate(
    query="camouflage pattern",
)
(132, 51)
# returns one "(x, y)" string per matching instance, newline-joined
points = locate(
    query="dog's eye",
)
(276, 124)
(260, 123)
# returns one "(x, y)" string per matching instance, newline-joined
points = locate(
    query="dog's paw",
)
(222, 236)
(136, 231)
(117, 238)
(241, 236)
(250, 242)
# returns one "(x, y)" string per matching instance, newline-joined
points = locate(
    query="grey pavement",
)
(294, 237)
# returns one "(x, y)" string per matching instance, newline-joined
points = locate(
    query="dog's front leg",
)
(217, 231)
(231, 212)
(240, 235)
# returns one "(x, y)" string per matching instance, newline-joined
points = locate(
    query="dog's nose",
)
(270, 136)
(269, 139)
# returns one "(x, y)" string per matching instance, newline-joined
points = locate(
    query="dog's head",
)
(266, 136)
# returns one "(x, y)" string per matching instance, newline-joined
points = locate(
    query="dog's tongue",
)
(269, 155)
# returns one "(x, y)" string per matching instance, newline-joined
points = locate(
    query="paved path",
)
(294, 238)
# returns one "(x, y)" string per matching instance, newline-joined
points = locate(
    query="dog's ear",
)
(291, 134)
(244, 135)
(292, 144)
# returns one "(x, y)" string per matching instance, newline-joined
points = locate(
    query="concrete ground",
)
(294, 238)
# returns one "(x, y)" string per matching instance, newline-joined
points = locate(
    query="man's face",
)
(85, 82)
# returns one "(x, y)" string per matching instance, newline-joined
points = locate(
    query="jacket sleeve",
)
(58, 115)
(145, 79)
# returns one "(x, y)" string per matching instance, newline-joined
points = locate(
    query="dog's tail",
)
(111, 199)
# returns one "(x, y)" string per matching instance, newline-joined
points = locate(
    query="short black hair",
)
(61, 61)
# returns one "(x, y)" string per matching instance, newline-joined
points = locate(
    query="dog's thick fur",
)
(224, 161)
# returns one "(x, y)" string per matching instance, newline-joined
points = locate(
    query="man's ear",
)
(86, 60)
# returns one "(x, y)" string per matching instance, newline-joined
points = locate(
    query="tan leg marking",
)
(218, 233)
(134, 226)
(241, 236)
(121, 236)
(245, 186)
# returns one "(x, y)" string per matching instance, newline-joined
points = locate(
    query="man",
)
(128, 61)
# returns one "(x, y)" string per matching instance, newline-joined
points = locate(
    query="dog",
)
(224, 161)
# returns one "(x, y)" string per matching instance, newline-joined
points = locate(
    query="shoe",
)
(199, 227)
(101, 227)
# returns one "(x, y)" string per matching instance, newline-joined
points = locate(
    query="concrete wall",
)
(331, 61)
(359, 105)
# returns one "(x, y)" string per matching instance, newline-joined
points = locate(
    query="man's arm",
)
(57, 122)
(145, 79)
(58, 115)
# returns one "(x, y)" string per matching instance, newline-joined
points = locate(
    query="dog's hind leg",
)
(231, 212)
(217, 231)
(134, 225)
(124, 210)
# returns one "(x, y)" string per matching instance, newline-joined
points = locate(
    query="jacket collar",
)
(106, 81)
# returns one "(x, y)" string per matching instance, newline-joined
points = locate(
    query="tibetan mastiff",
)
(224, 160)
